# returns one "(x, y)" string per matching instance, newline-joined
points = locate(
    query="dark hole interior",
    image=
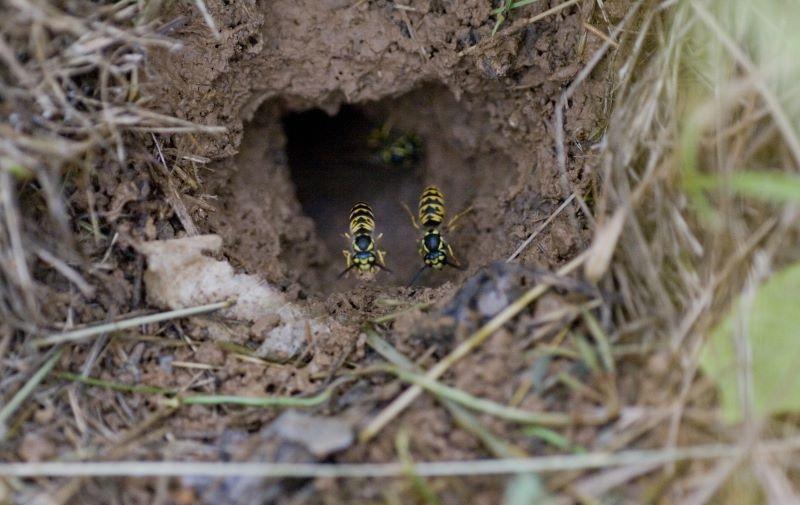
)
(333, 167)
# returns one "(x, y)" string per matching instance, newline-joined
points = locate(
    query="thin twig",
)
(394, 315)
(83, 333)
(550, 12)
(67, 271)
(561, 154)
(8, 204)
(174, 196)
(600, 34)
(540, 228)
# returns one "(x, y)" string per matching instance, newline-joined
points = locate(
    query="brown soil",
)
(299, 84)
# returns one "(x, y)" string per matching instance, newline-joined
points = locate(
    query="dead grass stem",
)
(540, 464)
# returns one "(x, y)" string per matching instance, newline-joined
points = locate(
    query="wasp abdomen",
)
(361, 219)
(431, 207)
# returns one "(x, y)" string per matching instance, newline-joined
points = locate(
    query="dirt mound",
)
(484, 118)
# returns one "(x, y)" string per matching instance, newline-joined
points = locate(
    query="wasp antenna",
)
(416, 276)
(410, 214)
(457, 217)
(345, 271)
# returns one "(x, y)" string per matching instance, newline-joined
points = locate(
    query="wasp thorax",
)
(363, 256)
(363, 242)
(432, 241)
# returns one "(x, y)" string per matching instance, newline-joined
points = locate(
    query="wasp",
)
(434, 249)
(363, 255)
(404, 149)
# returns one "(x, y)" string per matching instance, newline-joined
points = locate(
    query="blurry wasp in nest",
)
(395, 148)
(363, 256)
(436, 252)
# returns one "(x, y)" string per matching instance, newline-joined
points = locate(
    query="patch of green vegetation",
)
(527, 489)
(761, 334)
(743, 80)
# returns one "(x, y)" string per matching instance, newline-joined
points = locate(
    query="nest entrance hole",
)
(299, 171)
(333, 165)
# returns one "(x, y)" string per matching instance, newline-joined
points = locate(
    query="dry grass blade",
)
(17, 272)
(496, 409)
(67, 271)
(561, 154)
(201, 6)
(8, 409)
(600, 34)
(775, 107)
(394, 315)
(550, 11)
(425, 469)
(605, 242)
(84, 333)
(541, 228)
(201, 399)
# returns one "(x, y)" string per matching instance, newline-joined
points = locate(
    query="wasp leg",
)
(416, 275)
(453, 261)
(349, 260)
(382, 261)
(456, 217)
(410, 214)
(347, 236)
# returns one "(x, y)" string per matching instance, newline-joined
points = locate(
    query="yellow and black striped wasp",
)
(434, 249)
(363, 255)
(393, 148)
